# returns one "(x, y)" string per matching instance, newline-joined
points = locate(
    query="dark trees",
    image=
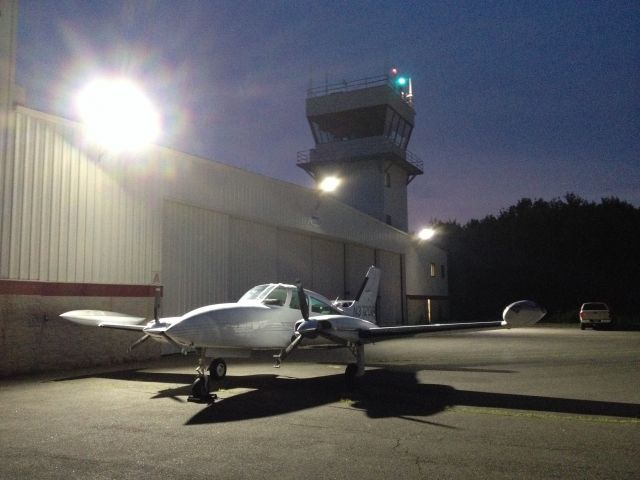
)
(559, 253)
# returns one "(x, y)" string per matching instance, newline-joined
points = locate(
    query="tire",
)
(218, 369)
(199, 388)
(350, 375)
(582, 327)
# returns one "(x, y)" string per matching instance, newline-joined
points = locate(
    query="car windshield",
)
(595, 306)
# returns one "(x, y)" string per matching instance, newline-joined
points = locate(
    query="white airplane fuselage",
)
(236, 325)
(250, 325)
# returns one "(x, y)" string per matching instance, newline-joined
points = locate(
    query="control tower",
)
(361, 131)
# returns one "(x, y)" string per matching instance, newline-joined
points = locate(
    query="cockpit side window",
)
(278, 296)
(319, 307)
(316, 306)
(295, 301)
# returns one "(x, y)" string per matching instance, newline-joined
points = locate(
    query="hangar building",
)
(81, 228)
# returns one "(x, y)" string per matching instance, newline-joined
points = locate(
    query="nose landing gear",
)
(201, 386)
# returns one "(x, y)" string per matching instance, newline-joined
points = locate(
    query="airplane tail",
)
(364, 305)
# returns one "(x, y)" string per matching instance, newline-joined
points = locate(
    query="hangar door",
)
(357, 260)
(195, 258)
(328, 267)
(253, 255)
(294, 257)
(390, 301)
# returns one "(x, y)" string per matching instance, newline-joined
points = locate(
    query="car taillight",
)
(581, 315)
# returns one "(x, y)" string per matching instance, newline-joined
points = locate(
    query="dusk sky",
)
(513, 99)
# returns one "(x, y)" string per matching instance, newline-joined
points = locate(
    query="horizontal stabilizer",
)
(97, 318)
(523, 313)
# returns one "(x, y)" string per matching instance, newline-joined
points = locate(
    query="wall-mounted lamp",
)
(117, 115)
(426, 233)
(328, 184)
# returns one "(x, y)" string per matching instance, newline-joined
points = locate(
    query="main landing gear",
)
(355, 370)
(201, 386)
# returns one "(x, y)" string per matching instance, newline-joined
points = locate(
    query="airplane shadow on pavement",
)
(382, 393)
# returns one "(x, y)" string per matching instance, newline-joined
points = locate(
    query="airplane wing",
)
(523, 313)
(384, 333)
(101, 318)
(119, 326)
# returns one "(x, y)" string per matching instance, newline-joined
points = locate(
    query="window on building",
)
(434, 270)
(387, 179)
(388, 219)
(397, 129)
(443, 272)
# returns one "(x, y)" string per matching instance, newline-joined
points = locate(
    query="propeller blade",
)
(140, 341)
(284, 353)
(156, 306)
(302, 299)
(292, 345)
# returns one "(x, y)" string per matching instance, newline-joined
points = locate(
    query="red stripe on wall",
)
(57, 289)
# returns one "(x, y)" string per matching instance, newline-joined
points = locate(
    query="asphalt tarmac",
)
(544, 402)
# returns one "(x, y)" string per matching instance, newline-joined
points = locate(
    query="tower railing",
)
(354, 149)
(359, 84)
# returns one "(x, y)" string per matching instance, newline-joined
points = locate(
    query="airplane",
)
(268, 317)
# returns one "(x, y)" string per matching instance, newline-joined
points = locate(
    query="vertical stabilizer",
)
(364, 305)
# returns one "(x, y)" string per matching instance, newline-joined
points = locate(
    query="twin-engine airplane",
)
(268, 317)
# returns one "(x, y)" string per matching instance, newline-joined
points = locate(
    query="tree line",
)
(559, 253)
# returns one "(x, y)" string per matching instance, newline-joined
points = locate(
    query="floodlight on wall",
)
(117, 115)
(426, 233)
(327, 185)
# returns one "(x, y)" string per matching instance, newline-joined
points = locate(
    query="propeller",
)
(156, 310)
(139, 342)
(304, 327)
(302, 299)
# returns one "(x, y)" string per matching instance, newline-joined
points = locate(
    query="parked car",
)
(594, 313)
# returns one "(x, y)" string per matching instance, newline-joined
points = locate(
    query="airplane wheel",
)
(350, 375)
(218, 368)
(199, 388)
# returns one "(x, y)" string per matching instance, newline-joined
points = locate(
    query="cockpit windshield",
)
(258, 293)
(275, 294)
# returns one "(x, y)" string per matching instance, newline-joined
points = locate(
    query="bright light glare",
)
(329, 184)
(426, 233)
(117, 115)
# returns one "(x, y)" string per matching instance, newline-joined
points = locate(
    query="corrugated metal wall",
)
(390, 301)
(294, 257)
(210, 257)
(253, 260)
(328, 267)
(72, 219)
(195, 252)
(357, 260)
